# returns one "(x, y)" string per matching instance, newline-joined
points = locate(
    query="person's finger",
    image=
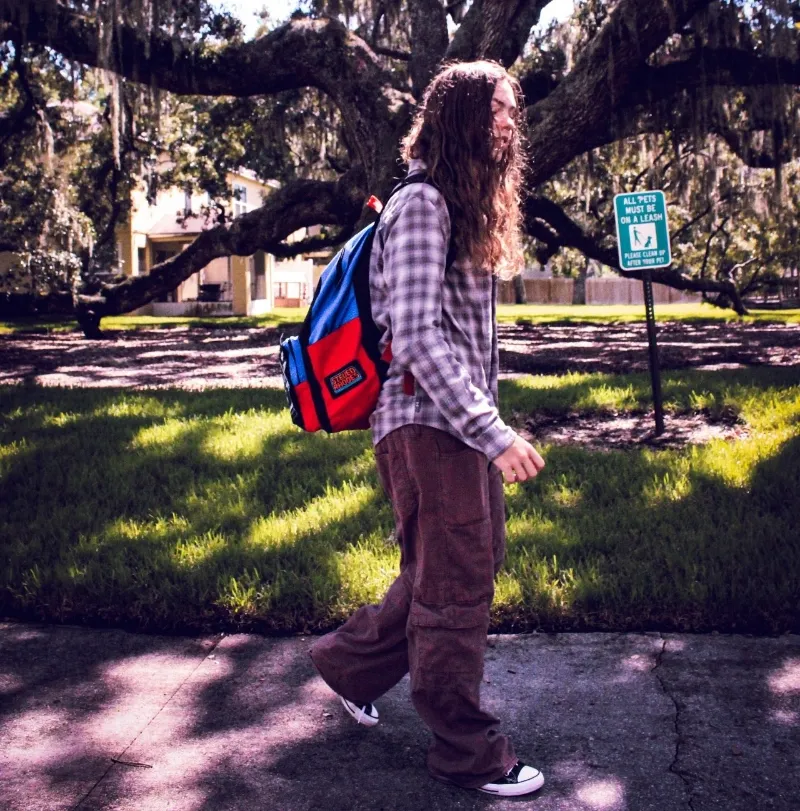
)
(528, 468)
(537, 460)
(509, 475)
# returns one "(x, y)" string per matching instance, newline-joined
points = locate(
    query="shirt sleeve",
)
(414, 253)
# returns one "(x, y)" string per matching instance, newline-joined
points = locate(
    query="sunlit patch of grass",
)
(8, 454)
(507, 591)
(141, 406)
(674, 484)
(193, 551)
(315, 517)
(734, 466)
(237, 436)
(276, 317)
(533, 528)
(37, 326)
(546, 584)
(163, 435)
(509, 313)
(625, 313)
(608, 398)
(366, 570)
(59, 420)
(575, 391)
(359, 467)
(563, 492)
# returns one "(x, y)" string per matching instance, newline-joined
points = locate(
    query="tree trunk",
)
(520, 293)
(89, 322)
(579, 288)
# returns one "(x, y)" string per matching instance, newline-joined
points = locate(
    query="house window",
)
(187, 202)
(141, 261)
(240, 199)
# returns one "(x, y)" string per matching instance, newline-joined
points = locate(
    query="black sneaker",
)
(520, 779)
(365, 714)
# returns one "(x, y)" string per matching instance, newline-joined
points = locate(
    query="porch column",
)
(269, 263)
(240, 278)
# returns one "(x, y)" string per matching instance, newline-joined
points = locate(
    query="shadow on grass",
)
(131, 511)
(614, 541)
(147, 519)
(622, 347)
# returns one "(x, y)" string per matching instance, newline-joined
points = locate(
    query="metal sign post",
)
(655, 371)
(643, 243)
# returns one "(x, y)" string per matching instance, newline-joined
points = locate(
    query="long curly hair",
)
(452, 133)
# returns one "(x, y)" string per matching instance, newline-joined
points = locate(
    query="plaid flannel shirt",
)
(441, 322)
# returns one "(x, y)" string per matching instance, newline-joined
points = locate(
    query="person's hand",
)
(519, 462)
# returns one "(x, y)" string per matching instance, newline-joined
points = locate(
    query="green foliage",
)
(725, 158)
(41, 272)
(278, 317)
(60, 189)
(507, 313)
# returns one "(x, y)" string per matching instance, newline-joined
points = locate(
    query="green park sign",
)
(642, 232)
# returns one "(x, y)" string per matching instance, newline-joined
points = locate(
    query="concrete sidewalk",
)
(643, 722)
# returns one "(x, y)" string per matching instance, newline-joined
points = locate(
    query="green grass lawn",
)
(507, 313)
(276, 317)
(622, 313)
(170, 510)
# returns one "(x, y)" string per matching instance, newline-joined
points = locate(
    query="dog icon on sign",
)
(643, 237)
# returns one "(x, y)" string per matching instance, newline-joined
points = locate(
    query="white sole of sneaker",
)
(358, 713)
(514, 789)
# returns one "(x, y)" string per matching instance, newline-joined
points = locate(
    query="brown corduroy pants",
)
(450, 515)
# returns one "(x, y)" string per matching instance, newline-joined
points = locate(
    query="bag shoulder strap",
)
(423, 177)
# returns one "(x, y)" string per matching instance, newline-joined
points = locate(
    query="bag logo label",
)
(344, 379)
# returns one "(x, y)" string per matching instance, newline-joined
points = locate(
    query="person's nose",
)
(505, 122)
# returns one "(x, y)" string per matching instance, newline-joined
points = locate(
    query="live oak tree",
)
(694, 96)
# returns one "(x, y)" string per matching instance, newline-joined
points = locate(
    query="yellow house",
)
(227, 286)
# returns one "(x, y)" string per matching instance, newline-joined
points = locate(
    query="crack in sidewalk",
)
(673, 767)
(118, 759)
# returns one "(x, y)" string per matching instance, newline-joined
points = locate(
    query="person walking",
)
(441, 448)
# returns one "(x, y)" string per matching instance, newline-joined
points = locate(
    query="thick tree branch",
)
(543, 216)
(429, 35)
(405, 56)
(714, 67)
(286, 250)
(649, 105)
(301, 53)
(756, 158)
(297, 205)
(322, 54)
(562, 124)
(495, 29)
(537, 85)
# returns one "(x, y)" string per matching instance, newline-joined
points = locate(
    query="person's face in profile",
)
(504, 106)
